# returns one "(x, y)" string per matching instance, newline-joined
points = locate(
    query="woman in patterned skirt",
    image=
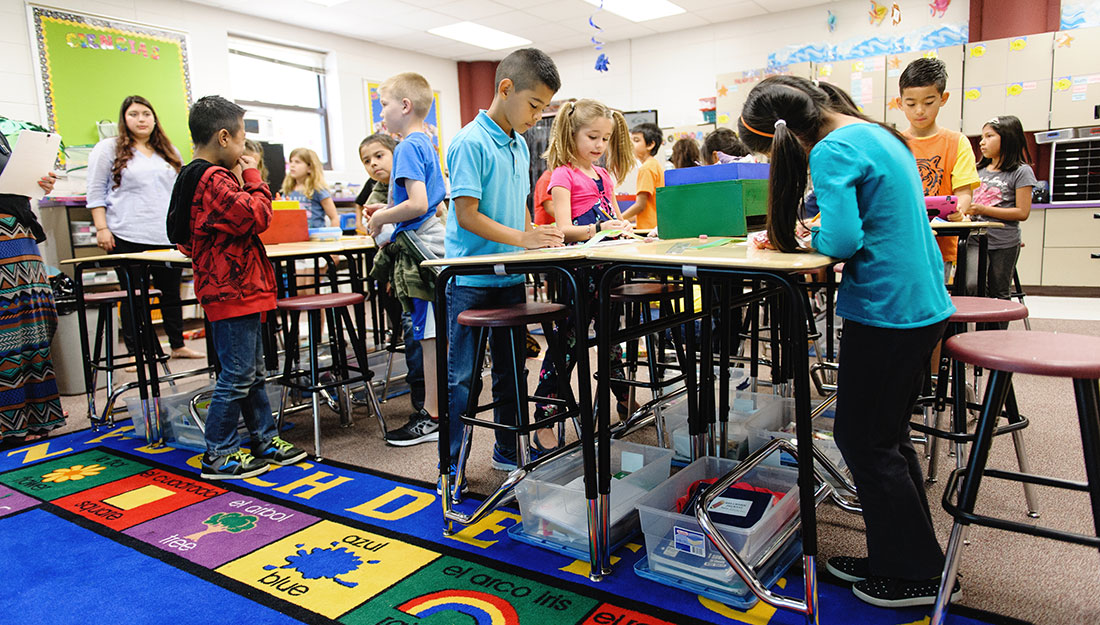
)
(29, 403)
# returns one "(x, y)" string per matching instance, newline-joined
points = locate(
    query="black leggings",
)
(167, 279)
(880, 378)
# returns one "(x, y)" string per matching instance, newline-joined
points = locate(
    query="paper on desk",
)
(33, 157)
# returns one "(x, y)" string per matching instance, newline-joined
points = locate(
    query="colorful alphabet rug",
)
(96, 527)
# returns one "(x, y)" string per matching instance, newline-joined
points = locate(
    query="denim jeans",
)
(239, 390)
(462, 349)
(414, 362)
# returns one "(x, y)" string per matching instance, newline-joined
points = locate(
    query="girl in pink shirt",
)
(583, 204)
(583, 193)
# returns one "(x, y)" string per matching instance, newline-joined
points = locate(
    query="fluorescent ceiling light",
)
(480, 36)
(639, 10)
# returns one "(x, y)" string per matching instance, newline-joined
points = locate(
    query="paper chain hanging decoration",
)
(601, 61)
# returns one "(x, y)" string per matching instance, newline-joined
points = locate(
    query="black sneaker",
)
(236, 466)
(890, 592)
(421, 428)
(277, 451)
(849, 569)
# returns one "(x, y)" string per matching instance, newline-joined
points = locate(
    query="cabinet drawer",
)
(1071, 266)
(1073, 227)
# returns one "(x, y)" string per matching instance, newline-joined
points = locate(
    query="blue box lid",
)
(715, 173)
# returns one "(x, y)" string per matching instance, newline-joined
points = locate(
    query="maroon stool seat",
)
(646, 292)
(320, 301)
(512, 316)
(986, 310)
(111, 297)
(1038, 353)
(1005, 353)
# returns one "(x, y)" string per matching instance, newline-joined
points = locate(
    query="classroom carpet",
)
(98, 527)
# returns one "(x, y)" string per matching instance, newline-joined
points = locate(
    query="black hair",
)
(685, 153)
(384, 139)
(722, 140)
(528, 68)
(839, 100)
(801, 106)
(924, 72)
(650, 134)
(211, 114)
(1014, 150)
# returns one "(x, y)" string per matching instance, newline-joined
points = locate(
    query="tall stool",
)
(974, 310)
(103, 354)
(514, 320)
(1037, 353)
(335, 306)
(636, 299)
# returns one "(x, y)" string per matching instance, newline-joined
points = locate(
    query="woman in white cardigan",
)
(130, 180)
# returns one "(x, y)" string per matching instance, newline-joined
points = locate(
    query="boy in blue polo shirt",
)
(490, 181)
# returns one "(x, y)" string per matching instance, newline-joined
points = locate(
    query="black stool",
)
(335, 307)
(103, 354)
(636, 299)
(1037, 353)
(514, 320)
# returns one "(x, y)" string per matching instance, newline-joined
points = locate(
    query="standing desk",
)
(137, 264)
(964, 230)
(727, 265)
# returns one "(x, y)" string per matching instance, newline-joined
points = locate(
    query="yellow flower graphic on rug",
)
(75, 472)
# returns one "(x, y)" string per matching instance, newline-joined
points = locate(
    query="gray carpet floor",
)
(1034, 579)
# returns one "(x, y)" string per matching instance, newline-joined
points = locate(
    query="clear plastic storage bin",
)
(780, 424)
(176, 420)
(675, 543)
(744, 407)
(551, 499)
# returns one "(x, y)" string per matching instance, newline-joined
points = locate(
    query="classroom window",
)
(283, 88)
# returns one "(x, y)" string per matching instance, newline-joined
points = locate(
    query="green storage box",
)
(710, 208)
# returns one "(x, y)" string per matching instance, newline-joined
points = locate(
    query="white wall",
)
(671, 71)
(353, 61)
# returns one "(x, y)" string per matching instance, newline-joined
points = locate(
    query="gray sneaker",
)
(421, 428)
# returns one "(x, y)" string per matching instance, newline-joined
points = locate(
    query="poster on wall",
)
(374, 117)
(88, 64)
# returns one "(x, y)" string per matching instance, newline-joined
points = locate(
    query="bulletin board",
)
(432, 120)
(89, 64)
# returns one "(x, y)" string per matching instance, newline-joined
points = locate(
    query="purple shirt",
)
(583, 192)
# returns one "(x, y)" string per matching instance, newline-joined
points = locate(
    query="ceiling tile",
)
(422, 20)
(732, 11)
(676, 22)
(562, 10)
(512, 21)
(471, 10)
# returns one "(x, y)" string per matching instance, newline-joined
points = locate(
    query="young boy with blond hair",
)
(416, 188)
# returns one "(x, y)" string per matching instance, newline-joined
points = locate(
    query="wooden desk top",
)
(735, 255)
(965, 225)
(570, 252)
(281, 250)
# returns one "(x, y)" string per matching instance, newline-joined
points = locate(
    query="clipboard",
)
(32, 157)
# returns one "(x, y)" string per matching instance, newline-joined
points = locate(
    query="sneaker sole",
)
(837, 573)
(501, 466)
(289, 461)
(240, 476)
(902, 603)
(427, 438)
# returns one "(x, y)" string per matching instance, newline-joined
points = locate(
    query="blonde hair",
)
(576, 115)
(254, 147)
(315, 179)
(411, 86)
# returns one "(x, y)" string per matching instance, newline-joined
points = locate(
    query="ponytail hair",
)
(571, 117)
(783, 117)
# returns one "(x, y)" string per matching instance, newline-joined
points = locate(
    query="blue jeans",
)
(462, 349)
(240, 389)
(414, 362)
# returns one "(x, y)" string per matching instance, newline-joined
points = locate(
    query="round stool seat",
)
(110, 297)
(320, 301)
(986, 309)
(511, 316)
(646, 292)
(1039, 353)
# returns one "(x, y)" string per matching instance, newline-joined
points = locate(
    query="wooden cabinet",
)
(1029, 265)
(863, 79)
(1071, 266)
(1007, 76)
(1075, 90)
(1071, 247)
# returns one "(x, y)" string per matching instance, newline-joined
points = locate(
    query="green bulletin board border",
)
(46, 78)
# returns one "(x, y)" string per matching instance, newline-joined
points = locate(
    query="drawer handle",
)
(1096, 215)
(1096, 256)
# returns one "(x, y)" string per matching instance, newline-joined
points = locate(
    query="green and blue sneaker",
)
(236, 466)
(277, 451)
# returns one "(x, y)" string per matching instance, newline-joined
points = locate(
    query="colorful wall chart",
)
(90, 64)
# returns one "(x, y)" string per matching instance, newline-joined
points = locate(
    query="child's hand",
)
(371, 209)
(956, 216)
(542, 236)
(976, 210)
(374, 225)
(247, 161)
(618, 224)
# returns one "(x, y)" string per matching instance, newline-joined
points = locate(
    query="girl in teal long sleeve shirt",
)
(894, 304)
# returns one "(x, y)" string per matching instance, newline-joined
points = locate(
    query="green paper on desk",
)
(718, 242)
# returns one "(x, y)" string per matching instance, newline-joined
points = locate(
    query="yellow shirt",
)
(650, 177)
(946, 162)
